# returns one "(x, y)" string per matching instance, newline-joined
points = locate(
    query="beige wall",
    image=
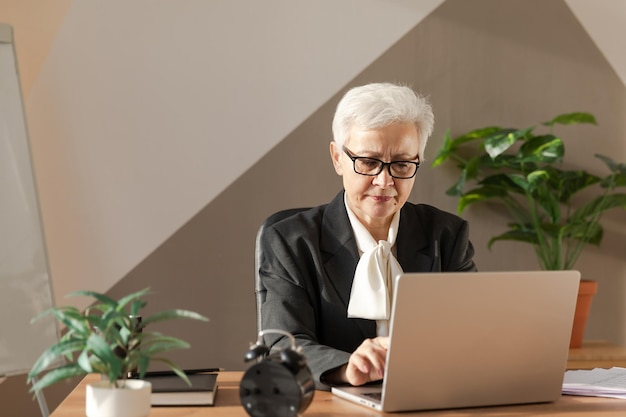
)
(166, 207)
(35, 24)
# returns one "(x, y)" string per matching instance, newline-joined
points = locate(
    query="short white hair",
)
(377, 105)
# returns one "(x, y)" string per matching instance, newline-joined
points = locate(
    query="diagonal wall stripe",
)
(604, 21)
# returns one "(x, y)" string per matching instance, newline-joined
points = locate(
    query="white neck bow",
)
(372, 287)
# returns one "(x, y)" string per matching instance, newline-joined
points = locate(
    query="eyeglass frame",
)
(354, 158)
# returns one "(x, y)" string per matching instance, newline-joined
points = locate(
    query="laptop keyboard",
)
(374, 395)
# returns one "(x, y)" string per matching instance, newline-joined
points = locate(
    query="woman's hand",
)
(367, 362)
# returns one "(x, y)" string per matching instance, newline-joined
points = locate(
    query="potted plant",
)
(112, 339)
(523, 170)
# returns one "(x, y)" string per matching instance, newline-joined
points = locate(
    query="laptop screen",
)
(478, 338)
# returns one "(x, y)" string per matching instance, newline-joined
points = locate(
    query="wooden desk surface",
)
(597, 354)
(325, 404)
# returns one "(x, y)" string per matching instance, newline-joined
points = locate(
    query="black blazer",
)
(309, 264)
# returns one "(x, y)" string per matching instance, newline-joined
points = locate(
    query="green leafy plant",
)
(523, 171)
(109, 338)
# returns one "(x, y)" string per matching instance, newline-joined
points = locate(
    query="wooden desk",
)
(596, 354)
(325, 404)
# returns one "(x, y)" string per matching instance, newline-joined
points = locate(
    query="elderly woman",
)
(329, 271)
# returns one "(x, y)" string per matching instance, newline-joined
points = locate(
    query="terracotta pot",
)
(586, 291)
(133, 400)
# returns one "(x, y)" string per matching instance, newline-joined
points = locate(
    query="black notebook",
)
(172, 390)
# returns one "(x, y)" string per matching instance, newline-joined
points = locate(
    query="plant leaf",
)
(479, 194)
(618, 171)
(450, 145)
(613, 181)
(587, 232)
(572, 118)
(100, 297)
(174, 368)
(520, 181)
(565, 184)
(445, 151)
(84, 362)
(53, 353)
(505, 182)
(98, 345)
(517, 235)
(543, 149)
(599, 205)
(121, 304)
(613, 166)
(72, 318)
(545, 197)
(499, 142)
(162, 344)
(56, 375)
(173, 314)
(476, 134)
(457, 188)
(135, 306)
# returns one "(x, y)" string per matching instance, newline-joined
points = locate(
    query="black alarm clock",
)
(279, 384)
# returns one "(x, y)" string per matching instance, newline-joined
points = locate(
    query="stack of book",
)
(171, 390)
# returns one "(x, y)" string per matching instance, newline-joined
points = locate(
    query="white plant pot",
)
(103, 400)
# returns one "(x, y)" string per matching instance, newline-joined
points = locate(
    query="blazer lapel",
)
(340, 255)
(338, 246)
(413, 247)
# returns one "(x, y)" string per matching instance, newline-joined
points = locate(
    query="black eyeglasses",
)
(372, 166)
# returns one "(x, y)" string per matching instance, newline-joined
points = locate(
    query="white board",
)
(25, 287)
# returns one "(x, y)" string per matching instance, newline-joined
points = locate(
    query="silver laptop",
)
(474, 339)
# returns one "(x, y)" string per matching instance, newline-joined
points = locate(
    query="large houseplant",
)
(554, 208)
(110, 338)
